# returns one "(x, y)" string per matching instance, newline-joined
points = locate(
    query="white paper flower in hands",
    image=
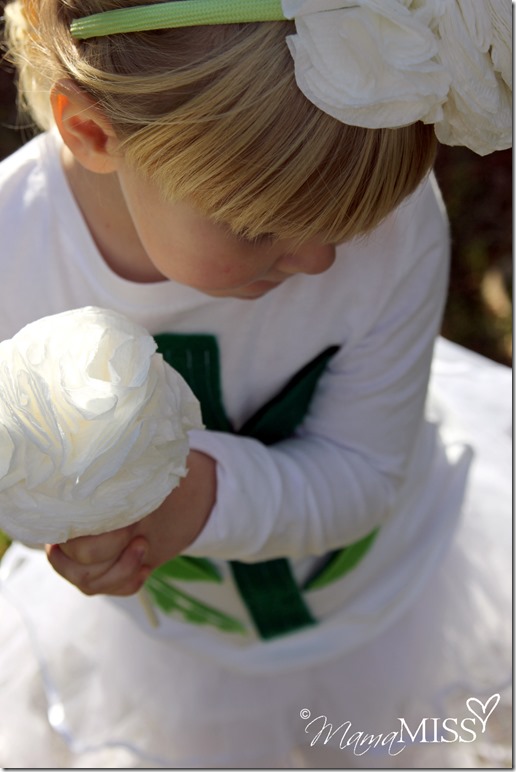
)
(93, 426)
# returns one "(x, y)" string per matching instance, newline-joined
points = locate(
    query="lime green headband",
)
(369, 63)
(185, 13)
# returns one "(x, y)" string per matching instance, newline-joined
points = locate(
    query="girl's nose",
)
(310, 258)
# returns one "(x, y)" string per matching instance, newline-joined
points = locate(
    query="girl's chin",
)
(255, 290)
(251, 291)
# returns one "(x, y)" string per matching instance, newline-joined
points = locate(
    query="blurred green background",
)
(478, 195)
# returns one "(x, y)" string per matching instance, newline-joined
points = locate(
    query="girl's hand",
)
(118, 562)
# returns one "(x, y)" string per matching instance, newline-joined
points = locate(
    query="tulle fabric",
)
(82, 686)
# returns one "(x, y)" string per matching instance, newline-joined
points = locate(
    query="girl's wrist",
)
(197, 493)
(179, 520)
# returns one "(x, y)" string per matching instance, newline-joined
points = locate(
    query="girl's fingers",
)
(123, 576)
(88, 550)
(74, 572)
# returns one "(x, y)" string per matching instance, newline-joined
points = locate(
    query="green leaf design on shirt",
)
(189, 569)
(341, 562)
(171, 599)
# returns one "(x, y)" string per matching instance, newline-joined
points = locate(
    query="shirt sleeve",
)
(338, 477)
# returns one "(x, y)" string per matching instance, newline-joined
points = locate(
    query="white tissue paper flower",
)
(389, 63)
(369, 63)
(93, 426)
(474, 47)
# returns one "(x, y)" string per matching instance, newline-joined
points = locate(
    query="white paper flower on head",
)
(475, 48)
(390, 63)
(369, 63)
(93, 426)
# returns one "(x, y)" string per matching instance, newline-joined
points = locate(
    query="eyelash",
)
(263, 238)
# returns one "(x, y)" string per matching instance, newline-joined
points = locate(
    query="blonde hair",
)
(213, 115)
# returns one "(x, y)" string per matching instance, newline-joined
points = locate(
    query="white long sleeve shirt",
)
(365, 456)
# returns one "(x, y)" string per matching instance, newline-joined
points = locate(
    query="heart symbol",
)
(495, 699)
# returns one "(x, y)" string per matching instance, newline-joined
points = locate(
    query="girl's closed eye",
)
(262, 239)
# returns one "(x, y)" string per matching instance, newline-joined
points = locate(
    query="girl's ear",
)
(84, 129)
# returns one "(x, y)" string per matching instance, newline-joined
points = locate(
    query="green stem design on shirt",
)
(268, 588)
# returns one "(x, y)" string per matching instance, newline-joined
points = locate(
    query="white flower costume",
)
(117, 695)
(353, 574)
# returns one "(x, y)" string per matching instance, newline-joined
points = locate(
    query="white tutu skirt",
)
(81, 686)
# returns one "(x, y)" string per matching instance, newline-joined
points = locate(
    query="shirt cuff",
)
(248, 494)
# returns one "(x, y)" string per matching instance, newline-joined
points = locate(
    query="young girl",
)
(251, 182)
